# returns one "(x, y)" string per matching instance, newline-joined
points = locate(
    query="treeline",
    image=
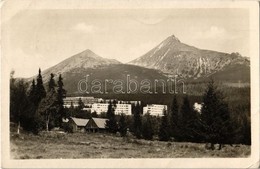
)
(36, 109)
(214, 124)
(234, 96)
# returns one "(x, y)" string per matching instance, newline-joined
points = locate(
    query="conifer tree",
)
(71, 105)
(186, 110)
(114, 104)
(71, 110)
(61, 93)
(32, 94)
(31, 122)
(174, 117)
(137, 121)
(215, 117)
(109, 110)
(40, 91)
(51, 84)
(48, 108)
(246, 131)
(164, 131)
(111, 123)
(122, 125)
(147, 127)
(19, 102)
(80, 104)
(187, 122)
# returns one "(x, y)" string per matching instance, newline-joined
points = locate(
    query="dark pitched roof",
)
(100, 122)
(80, 122)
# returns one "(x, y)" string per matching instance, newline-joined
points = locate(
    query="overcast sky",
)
(43, 38)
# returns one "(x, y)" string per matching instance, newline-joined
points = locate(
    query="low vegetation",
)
(51, 145)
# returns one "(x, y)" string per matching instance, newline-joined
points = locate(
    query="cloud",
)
(215, 32)
(18, 60)
(84, 27)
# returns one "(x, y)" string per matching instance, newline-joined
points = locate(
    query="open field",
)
(103, 145)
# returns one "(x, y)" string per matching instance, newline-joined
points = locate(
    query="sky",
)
(43, 38)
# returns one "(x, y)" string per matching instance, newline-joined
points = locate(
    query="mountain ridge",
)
(85, 59)
(171, 56)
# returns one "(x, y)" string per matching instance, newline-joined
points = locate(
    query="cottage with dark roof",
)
(96, 124)
(78, 124)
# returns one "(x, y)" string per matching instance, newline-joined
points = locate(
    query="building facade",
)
(120, 108)
(123, 108)
(197, 107)
(154, 109)
(99, 108)
(96, 124)
(88, 101)
(78, 124)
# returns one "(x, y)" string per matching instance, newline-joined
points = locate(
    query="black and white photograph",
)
(86, 80)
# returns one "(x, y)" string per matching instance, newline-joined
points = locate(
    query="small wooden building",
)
(78, 124)
(96, 124)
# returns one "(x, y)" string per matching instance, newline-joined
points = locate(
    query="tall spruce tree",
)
(114, 104)
(40, 91)
(48, 109)
(31, 122)
(215, 117)
(174, 117)
(111, 123)
(188, 122)
(51, 84)
(12, 96)
(147, 127)
(19, 102)
(61, 94)
(71, 110)
(186, 110)
(137, 121)
(109, 110)
(246, 131)
(80, 104)
(164, 131)
(33, 94)
(122, 125)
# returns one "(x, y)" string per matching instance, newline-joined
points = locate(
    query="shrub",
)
(67, 127)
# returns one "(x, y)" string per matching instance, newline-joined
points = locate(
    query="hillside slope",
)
(176, 58)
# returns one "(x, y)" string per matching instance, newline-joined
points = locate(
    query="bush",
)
(67, 127)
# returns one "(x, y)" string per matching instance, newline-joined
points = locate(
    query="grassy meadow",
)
(103, 145)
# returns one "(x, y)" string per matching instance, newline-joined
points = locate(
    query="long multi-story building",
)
(99, 108)
(100, 105)
(123, 108)
(154, 109)
(88, 101)
(120, 108)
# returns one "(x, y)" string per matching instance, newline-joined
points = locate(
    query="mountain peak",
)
(83, 60)
(173, 57)
(173, 38)
(87, 52)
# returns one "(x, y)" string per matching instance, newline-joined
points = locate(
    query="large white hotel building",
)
(100, 105)
(154, 109)
(120, 108)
